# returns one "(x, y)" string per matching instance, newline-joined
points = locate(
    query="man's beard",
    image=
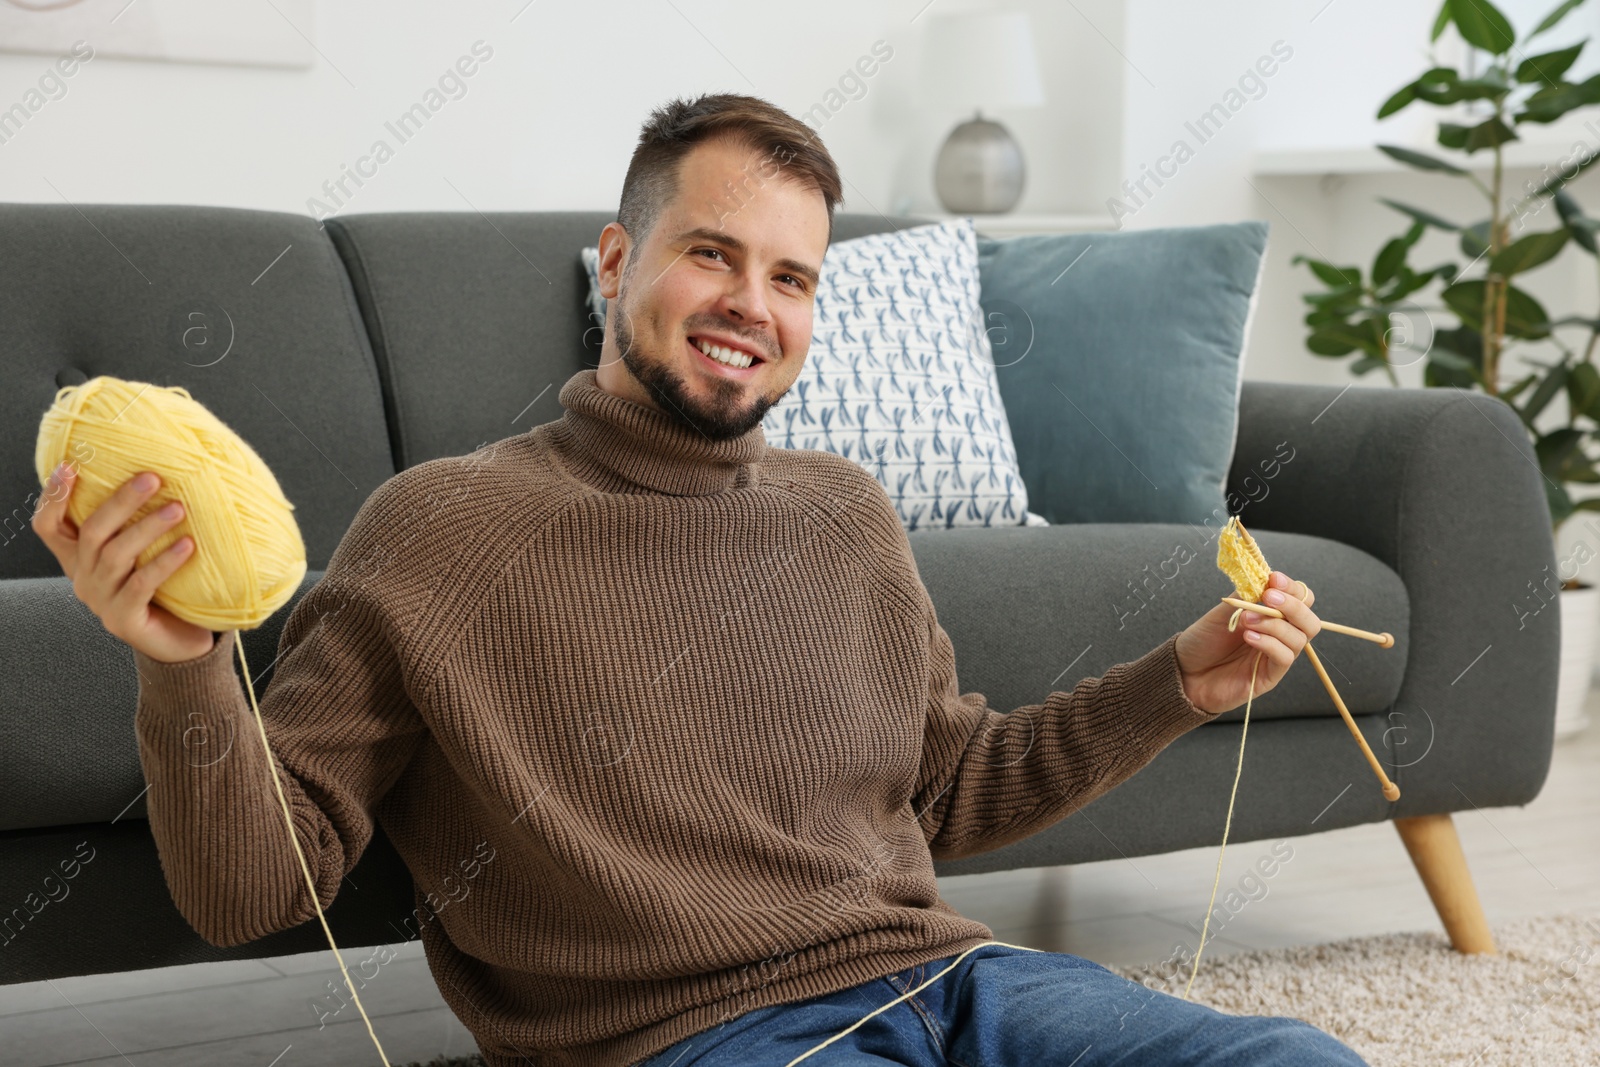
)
(718, 419)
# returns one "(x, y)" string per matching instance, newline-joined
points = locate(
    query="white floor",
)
(1539, 859)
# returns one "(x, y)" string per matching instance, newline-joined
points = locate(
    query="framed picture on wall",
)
(252, 32)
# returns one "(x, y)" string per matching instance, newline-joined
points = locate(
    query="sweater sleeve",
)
(341, 727)
(989, 778)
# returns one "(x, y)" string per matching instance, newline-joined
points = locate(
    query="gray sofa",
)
(348, 352)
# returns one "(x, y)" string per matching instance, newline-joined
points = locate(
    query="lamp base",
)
(979, 169)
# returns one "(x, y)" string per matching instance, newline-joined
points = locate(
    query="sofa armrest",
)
(1442, 485)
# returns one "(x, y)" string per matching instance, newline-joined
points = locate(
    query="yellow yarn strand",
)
(311, 886)
(1240, 558)
(254, 559)
(903, 996)
(1206, 925)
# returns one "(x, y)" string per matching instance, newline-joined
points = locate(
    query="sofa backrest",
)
(251, 311)
(341, 352)
(477, 320)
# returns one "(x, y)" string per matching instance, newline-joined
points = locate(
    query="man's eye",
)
(714, 251)
(798, 284)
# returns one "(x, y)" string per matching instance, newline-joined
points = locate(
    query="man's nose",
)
(745, 299)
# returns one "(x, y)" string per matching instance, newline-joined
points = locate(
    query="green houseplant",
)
(1493, 317)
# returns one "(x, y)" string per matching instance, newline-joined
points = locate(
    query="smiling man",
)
(722, 276)
(661, 719)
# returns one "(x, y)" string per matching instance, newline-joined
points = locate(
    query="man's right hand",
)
(100, 558)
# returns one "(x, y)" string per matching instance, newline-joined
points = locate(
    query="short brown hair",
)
(679, 125)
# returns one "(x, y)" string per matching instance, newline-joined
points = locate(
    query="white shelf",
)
(1008, 225)
(1368, 160)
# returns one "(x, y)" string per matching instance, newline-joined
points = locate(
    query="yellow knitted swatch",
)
(254, 558)
(1240, 558)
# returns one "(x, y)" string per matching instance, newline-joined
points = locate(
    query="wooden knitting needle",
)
(1391, 791)
(1385, 639)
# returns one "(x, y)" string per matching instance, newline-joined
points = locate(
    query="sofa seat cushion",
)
(1034, 609)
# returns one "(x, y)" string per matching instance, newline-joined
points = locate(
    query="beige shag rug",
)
(1410, 1000)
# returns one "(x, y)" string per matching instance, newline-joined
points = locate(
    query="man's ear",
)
(614, 247)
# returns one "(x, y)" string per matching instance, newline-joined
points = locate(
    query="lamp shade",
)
(982, 60)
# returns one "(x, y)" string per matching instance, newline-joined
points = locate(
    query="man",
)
(661, 719)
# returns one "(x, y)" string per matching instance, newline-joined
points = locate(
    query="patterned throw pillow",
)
(900, 378)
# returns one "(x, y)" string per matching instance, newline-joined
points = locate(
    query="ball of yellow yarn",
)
(248, 559)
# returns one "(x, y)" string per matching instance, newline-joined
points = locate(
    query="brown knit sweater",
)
(665, 729)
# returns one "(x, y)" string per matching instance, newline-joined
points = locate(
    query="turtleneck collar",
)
(613, 443)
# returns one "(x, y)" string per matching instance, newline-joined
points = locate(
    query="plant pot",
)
(1580, 620)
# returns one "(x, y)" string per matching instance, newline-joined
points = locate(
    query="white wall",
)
(548, 122)
(550, 119)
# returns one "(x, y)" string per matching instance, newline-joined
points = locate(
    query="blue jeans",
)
(1006, 1007)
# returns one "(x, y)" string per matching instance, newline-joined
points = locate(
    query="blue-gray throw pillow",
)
(1119, 359)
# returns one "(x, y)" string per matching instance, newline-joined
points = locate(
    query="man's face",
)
(732, 261)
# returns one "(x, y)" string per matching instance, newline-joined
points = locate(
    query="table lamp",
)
(981, 60)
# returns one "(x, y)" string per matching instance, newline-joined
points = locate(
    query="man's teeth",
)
(723, 355)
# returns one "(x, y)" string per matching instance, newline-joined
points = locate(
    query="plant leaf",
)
(1340, 301)
(1552, 102)
(1389, 259)
(1438, 85)
(1463, 341)
(1445, 85)
(1407, 281)
(1334, 276)
(1348, 336)
(1445, 357)
(1482, 25)
(1511, 394)
(1452, 351)
(1580, 472)
(1442, 19)
(1546, 390)
(1525, 316)
(1583, 389)
(1420, 215)
(1548, 66)
(1561, 12)
(1555, 449)
(1475, 239)
(1487, 134)
(1581, 229)
(1528, 252)
(1403, 96)
(1336, 339)
(1419, 160)
(1561, 505)
(1436, 374)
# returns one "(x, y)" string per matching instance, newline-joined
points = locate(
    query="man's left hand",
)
(1216, 665)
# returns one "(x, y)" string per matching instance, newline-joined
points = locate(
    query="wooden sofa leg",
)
(1436, 853)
